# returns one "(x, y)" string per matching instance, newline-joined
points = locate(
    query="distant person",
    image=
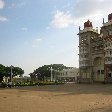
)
(10, 84)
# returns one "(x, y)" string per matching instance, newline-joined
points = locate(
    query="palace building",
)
(95, 53)
(68, 75)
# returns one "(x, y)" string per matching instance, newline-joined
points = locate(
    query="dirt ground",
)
(60, 98)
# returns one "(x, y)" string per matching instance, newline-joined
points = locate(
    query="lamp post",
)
(56, 73)
(51, 69)
(51, 73)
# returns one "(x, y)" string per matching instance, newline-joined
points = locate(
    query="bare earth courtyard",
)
(60, 98)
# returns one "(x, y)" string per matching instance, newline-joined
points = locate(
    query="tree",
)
(6, 71)
(2, 72)
(17, 71)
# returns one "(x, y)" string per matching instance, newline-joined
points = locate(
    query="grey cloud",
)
(85, 8)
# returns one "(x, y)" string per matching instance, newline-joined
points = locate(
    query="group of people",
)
(8, 84)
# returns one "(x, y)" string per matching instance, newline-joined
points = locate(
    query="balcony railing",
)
(82, 59)
(108, 62)
(109, 47)
(88, 29)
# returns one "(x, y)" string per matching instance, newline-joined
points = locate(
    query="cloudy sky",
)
(34, 33)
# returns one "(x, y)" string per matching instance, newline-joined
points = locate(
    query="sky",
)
(34, 33)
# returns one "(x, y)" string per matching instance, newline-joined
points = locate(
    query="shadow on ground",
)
(71, 89)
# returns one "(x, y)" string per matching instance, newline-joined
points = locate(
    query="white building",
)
(68, 74)
(21, 79)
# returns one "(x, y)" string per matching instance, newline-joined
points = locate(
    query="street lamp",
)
(51, 69)
(51, 73)
(56, 73)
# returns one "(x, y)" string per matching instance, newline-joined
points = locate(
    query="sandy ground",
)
(61, 98)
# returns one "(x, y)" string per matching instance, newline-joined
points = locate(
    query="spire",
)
(103, 21)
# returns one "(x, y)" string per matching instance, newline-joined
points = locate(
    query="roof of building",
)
(88, 24)
(88, 27)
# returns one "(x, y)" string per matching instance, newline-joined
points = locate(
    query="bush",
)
(3, 85)
(39, 83)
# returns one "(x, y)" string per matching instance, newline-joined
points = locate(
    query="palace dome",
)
(88, 24)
